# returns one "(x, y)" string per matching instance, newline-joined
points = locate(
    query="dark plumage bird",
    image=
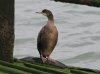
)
(47, 37)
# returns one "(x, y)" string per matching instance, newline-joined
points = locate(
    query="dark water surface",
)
(79, 31)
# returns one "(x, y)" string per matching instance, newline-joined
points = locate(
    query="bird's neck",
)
(50, 17)
(50, 20)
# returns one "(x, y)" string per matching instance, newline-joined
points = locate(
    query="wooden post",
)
(6, 30)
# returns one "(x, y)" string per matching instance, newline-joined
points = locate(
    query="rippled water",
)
(79, 31)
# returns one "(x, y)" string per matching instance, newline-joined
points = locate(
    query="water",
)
(79, 31)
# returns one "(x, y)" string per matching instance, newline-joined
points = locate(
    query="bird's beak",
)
(42, 13)
(39, 12)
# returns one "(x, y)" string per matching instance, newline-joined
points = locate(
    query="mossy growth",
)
(23, 67)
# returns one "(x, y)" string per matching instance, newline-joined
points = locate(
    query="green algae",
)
(23, 67)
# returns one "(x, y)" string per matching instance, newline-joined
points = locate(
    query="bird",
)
(47, 37)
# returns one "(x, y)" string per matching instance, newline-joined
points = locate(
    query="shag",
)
(47, 37)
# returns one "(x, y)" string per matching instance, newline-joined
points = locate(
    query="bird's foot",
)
(43, 59)
(50, 60)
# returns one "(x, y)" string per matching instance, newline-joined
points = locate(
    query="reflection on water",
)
(79, 31)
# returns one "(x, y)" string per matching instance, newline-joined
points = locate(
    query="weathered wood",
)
(6, 30)
(95, 3)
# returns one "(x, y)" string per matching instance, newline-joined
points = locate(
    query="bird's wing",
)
(41, 39)
(47, 40)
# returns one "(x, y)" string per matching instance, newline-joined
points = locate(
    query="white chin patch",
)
(44, 14)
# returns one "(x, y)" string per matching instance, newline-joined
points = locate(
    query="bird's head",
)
(46, 12)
